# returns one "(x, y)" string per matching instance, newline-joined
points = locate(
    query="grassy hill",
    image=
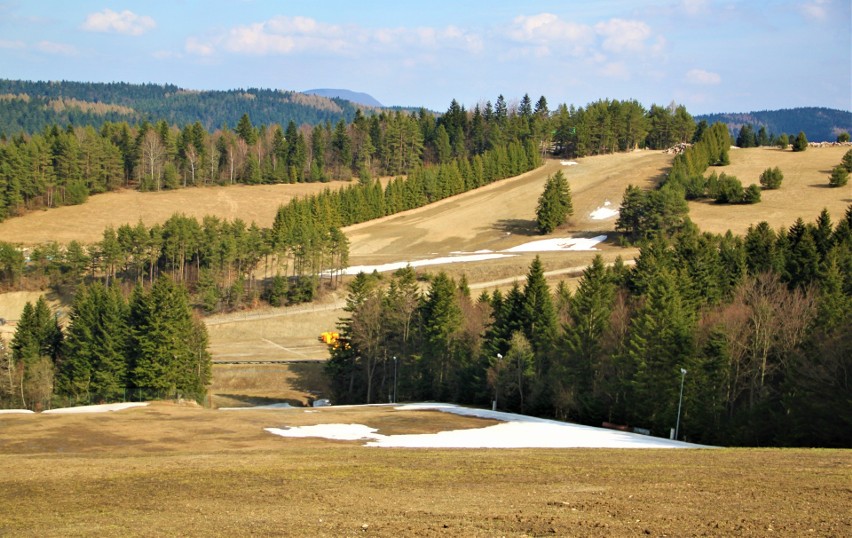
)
(168, 469)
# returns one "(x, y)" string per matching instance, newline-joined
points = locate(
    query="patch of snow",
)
(355, 269)
(558, 244)
(16, 412)
(338, 432)
(568, 163)
(603, 212)
(463, 253)
(101, 408)
(514, 431)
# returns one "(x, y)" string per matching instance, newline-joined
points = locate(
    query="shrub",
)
(771, 178)
(730, 190)
(751, 194)
(801, 142)
(839, 176)
(846, 162)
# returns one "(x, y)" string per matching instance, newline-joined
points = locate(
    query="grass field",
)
(180, 470)
(494, 217)
(170, 470)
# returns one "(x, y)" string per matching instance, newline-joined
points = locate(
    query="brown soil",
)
(168, 470)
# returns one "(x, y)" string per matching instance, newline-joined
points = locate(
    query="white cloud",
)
(291, 35)
(126, 22)
(694, 7)
(547, 32)
(701, 77)
(194, 46)
(621, 35)
(617, 70)
(51, 47)
(816, 9)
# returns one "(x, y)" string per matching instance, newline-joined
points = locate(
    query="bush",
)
(846, 162)
(801, 142)
(843, 137)
(730, 190)
(839, 176)
(751, 194)
(783, 141)
(771, 178)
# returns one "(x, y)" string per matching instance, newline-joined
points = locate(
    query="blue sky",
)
(710, 55)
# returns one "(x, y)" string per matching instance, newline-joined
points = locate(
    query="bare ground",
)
(182, 471)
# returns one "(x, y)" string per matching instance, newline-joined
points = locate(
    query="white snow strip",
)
(338, 432)
(559, 244)
(16, 412)
(102, 408)
(461, 252)
(514, 431)
(568, 163)
(603, 213)
(355, 269)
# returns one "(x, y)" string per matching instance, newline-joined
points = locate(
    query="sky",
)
(709, 55)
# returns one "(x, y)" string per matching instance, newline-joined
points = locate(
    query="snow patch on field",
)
(559, 243)
(15, 411)
(102, 408)
(543, 245)
(355, 269)
(568, 163)
(514, 431)
(604, 212)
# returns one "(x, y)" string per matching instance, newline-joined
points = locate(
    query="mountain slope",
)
(818, 124)
(31, 106)
(347, 95)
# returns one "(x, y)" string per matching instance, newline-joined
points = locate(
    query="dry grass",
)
(177, 471)
(803, 193)
(86, 222)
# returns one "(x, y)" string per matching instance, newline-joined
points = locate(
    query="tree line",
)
(760, 323)
(114, 349)
(228, 264)
(63, 166)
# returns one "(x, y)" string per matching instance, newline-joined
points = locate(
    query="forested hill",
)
(29, 107)
(818, 124)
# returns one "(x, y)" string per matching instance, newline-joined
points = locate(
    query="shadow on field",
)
(309, 377)
(244, 400)
(821, 185)
(517, 227)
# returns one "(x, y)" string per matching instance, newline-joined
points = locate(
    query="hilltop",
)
(819, 124)
(29, 107)
(347, 95)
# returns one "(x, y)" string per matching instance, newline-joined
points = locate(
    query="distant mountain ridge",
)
(348, 95)
(29, 107)
(818, 124)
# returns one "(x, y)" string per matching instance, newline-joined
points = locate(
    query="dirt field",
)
(183, 471)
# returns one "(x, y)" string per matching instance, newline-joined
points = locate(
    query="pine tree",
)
(554, 204)
(169, 355)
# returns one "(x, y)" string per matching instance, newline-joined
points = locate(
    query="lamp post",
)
(680, 401)
(394, 379)
(496, 381)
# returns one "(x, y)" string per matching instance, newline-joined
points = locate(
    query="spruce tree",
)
(554, 204)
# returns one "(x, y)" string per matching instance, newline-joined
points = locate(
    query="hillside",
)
(347, 95)
(29, 107)
(819, 124)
